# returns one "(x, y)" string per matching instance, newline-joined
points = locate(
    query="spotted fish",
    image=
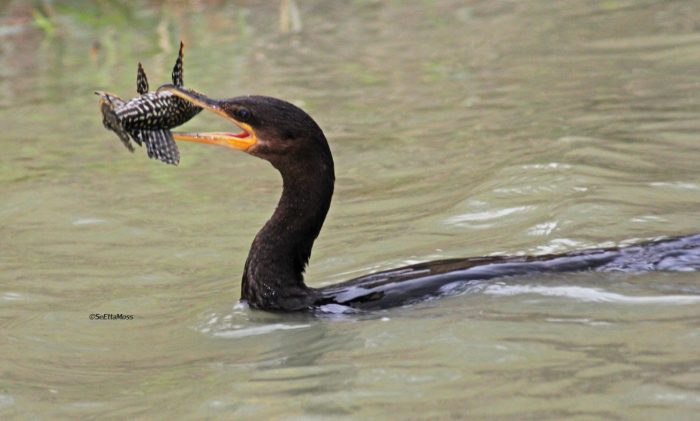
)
(148, 118)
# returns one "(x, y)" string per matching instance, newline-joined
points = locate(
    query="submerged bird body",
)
(417, 282)
(149, 117)
(295, 145)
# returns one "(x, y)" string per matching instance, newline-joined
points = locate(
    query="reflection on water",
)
(458, 129)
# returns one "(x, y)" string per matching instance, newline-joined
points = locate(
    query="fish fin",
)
(178, 73)
(141, 80)
(138, 136)
(161, 145)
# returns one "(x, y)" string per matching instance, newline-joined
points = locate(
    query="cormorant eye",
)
(243, 114)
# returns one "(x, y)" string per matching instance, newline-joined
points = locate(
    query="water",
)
(458, 129)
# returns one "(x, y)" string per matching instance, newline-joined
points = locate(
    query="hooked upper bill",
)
(241, 141)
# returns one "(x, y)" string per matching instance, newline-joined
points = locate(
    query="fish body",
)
(148, 118)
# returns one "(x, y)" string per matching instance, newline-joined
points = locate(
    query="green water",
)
(458, 129)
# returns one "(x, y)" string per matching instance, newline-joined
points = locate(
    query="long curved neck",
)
(273, 277)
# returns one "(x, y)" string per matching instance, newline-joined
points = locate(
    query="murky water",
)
(458, 129)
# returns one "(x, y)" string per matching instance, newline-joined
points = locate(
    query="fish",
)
(148, 118)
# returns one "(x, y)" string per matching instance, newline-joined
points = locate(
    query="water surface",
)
(458, 129)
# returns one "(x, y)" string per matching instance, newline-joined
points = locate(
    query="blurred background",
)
(459, 128)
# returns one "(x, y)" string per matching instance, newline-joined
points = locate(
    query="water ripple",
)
(241, 332)
(588, 294)
(486, 215)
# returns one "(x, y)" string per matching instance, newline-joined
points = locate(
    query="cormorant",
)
(287, 137)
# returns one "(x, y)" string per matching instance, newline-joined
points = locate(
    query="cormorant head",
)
(271, 128)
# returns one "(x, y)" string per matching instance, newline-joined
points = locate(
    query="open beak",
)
(242, 141)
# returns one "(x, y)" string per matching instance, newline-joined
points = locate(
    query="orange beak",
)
(241, 141)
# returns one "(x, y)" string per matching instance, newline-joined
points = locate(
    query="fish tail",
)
(110, 119)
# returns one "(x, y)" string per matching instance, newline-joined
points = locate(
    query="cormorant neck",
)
(273, 277)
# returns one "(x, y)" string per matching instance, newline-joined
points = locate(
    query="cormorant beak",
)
(242, 141)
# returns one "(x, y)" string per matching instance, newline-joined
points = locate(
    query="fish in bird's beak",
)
(242, 141)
